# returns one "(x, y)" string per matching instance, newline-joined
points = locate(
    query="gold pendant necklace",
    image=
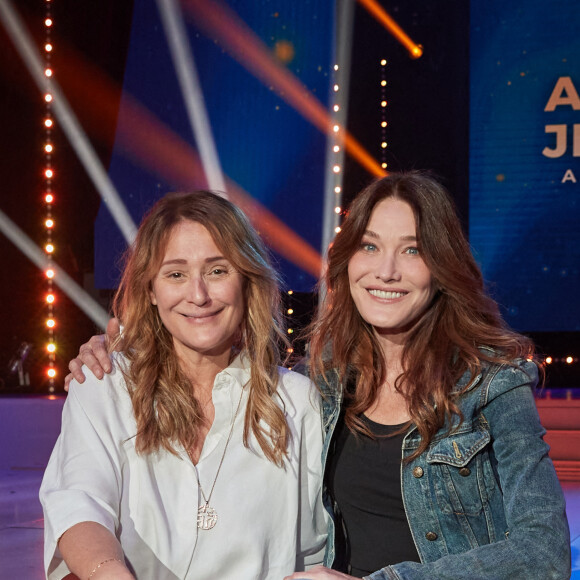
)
(206, 515)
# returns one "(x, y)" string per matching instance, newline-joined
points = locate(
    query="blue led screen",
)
(264, 145)
(525, 158)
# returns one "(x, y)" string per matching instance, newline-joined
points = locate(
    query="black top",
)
(364, 479)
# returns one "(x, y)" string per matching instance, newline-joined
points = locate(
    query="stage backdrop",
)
(264, 145)
(524, 158)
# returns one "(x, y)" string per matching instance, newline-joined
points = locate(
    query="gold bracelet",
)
(102, 564)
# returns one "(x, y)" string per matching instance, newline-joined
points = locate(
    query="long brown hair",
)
(166, 410)
(444, 343)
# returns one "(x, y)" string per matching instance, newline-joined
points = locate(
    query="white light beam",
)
(83, 300)
(183, 61)
(70, 124)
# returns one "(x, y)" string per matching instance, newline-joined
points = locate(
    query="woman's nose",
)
(388, 268)
(197, 291)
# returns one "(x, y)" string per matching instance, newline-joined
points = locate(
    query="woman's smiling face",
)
(389, 282)
(198, 293)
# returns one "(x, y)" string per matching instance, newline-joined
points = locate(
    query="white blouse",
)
(270, 519)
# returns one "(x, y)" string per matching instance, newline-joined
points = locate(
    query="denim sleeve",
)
(538, 540)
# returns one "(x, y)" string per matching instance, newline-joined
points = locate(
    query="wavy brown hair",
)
(444, 343)
(166, 409)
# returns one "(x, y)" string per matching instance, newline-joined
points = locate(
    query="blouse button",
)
(417, 472)
(431, 536)
(464, 471)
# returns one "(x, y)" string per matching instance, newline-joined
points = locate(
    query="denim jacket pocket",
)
(459, 474)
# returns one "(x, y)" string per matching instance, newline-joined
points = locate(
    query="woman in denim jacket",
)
(436, 466)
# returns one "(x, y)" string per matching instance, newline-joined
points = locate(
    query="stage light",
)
(49, 223)
(50, 273)
(49, 198)
(49, 248)
(50, 298)
(417, 51)
(51, 347)
(290, 311)
(51, 323)
(569, 360)
(51, 373)
(48, 173)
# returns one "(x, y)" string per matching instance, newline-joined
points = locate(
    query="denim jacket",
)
(484, 501)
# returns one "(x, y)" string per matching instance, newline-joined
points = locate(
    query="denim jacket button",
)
(431, 536)
(417, 472)
(464, 471)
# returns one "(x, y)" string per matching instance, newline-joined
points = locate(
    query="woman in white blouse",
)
(198, 457)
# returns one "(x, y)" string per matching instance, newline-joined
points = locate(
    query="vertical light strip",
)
(335, 141)
(48, 196)
(384, 104)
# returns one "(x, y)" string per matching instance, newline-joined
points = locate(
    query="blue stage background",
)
(264, 146)
(525, 206)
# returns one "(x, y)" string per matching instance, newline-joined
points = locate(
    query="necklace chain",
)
(206, 515)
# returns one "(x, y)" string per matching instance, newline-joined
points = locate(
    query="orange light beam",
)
(220, 22)
(145, 139)
(154, 146)
(381, 16)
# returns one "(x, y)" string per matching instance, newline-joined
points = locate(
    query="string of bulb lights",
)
(48, 197)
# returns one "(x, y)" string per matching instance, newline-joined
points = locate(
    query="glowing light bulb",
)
(383, 104)
(549, 360)
(569, 360)
(335, 88)
(48, 72)
(290, 331)
(49, 248)
(384, 124)
(48, 148)
(51, 373)
(48, 47)
(383, 62)
(49, 198)
(383, 83)
(48, 123)
(336, 108)
(49, 223)
(48, 173)
(48, 97)
(336, 169)
(337, 209)
(336, 128)
(51, 347)
(50, 273)
(336, 148)
(290, 292)
(51, 323)
(337, 189)
(290, 311)
(337, 230)
(48, 22)
(50, 298)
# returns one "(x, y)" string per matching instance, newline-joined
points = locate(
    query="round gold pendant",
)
(206, 517)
